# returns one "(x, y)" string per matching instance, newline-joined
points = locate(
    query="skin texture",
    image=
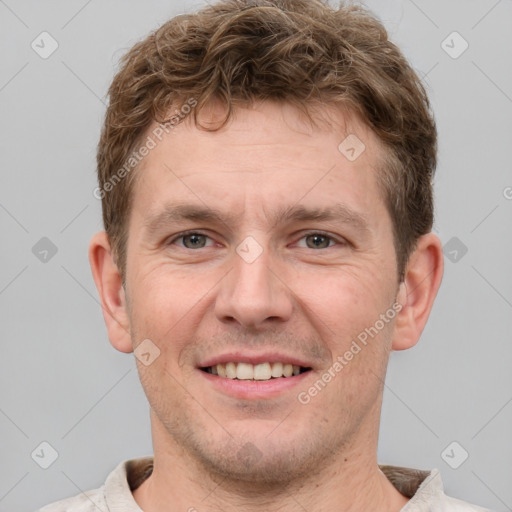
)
(297, 299)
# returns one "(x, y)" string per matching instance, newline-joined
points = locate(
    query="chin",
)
(250, 465)
(259, 461)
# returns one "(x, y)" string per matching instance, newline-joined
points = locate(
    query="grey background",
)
(61, 381)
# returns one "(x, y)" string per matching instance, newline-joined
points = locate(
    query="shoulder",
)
(441, 503)
(455, 505)
(114, 494)
(426, 491)
(430, 496)
(90, 501)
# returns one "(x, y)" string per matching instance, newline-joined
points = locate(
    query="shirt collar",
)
(420, 486)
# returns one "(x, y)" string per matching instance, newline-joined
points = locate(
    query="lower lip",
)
(254, 389)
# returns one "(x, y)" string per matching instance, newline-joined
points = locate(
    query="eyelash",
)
(305, 235)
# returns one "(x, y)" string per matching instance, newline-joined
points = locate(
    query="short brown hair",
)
(304, 52)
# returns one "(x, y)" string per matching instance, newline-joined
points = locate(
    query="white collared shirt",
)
(424, 488)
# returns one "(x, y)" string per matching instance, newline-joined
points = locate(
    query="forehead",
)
(271, 125)
(266, 154)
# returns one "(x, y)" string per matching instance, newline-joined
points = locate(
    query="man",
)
(265, 172)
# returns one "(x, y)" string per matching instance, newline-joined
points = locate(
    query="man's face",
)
(261, 276)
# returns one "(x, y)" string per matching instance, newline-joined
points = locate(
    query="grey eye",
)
(194, 241)
(317, 241)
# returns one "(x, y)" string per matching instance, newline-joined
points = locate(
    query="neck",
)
(350, 482)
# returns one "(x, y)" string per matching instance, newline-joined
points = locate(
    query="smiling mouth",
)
(257, 372)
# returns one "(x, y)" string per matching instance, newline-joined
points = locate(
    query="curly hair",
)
(303, 52)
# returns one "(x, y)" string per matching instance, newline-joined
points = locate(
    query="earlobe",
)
(418, 291)
(112, 295)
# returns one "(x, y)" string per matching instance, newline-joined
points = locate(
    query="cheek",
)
(164, 296)
(343, 301)
(168, 307)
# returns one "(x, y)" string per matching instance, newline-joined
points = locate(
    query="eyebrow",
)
(172, 214)
(339, 212)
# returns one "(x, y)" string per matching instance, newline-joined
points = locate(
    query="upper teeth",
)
(262, 371)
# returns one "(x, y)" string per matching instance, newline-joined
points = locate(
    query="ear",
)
(418, 291)
(109, 283)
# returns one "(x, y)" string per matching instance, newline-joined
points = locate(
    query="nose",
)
(254, 294)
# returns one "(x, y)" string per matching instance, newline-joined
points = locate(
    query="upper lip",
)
(244, 357)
